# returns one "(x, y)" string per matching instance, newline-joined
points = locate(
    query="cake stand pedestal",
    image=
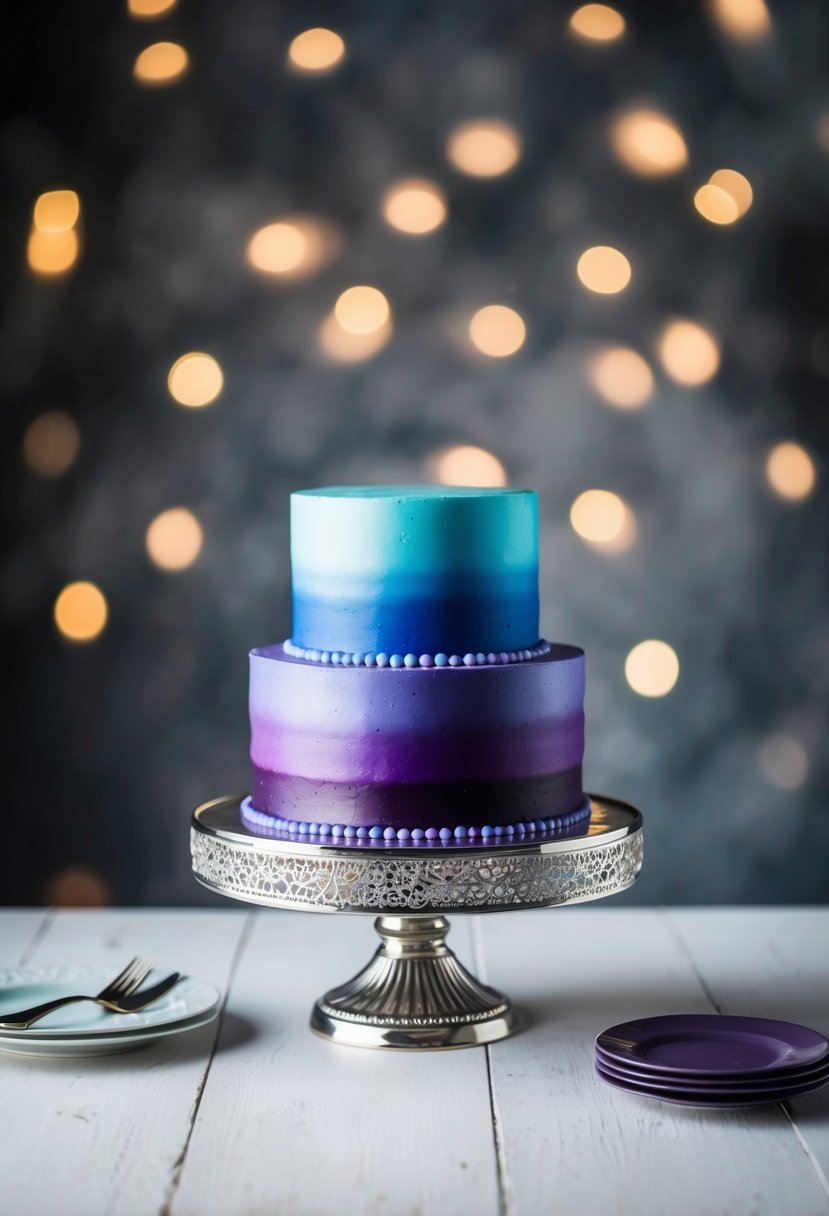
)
(414, 994)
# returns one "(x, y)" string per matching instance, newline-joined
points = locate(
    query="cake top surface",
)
(409, 492)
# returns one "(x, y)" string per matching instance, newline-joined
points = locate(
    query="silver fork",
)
(124, 984)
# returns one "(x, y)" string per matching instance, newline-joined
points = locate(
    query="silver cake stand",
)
(414, 993)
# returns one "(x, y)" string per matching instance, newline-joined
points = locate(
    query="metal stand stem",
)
(413, 994)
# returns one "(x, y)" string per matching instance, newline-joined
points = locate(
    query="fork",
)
(124, 984)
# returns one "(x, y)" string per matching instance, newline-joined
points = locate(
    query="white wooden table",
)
(255, 1115)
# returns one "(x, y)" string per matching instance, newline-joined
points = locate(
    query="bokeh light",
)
(737, 185)
(362, 310)
(150, 10)
(292, 247)
(783, 762)
(56, 211)
(277, 248)
(466, 465)
(648, 142)
(485, 147)
(497, 331)
(52, 253)
(597, 23)
(51, 444)
(652, 668)
(77, 887)
(414, 206)
(174, 539)
(689, 352)
(622, 377)
(716, 205)
(604, 520)
(346, 346)
(745, 20)
(317, 50)
(195, 379)
(790, 471)
(81, 612)
(604, 270)
(160, 64)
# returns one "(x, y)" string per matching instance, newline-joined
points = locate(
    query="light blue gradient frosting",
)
(414, 569)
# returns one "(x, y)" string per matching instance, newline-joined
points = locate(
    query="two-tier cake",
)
(415, 701)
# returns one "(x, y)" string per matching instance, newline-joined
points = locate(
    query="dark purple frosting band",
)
(417, 804)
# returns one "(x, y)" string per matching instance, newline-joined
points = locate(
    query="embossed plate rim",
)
(621, 839)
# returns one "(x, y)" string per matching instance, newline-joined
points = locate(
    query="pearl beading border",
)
(345, 658)
(324, 833)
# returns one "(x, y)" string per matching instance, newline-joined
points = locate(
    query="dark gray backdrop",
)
(108, 746)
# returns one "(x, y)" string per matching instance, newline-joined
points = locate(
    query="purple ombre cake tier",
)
(417, 747)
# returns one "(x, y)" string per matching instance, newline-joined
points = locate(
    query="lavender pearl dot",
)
(473, 831)
(349, 831)
(303, 829)
(389, 833)
(431, 833)
(469, 660)
(426, 660)
(492, 657)
(396, 660)
(337, 829)
(441, 660)
(403, 833)
(499, 831)
(325, 829)
(293, 826)
(446, 833)
(417, 833)
(376, 833)
(455, 660)
(314, 829)
(362, 833)
(510, 830)
(520, 829)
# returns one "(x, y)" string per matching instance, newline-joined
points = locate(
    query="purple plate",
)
(720, 1101)
(712, 1044)
(726, 1085)
(782, 1077)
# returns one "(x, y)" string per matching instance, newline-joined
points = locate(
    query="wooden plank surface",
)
(290, 1123)
(105, 1136)
(269, 1119)
(770, 963)
(571, 1144)
(20, 929)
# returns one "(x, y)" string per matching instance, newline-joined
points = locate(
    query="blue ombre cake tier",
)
(414, 569)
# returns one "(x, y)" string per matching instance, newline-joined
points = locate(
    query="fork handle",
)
(27, 1017)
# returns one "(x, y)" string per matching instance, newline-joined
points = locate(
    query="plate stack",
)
(713, 1060)
(86, 1029)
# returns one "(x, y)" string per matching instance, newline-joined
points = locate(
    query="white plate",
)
(25, 986)
(73, 1046)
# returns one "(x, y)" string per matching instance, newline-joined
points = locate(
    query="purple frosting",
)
(444, 746)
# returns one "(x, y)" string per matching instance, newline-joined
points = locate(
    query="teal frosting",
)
(418, 569)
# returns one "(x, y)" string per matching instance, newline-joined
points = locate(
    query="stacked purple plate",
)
(715, 1060)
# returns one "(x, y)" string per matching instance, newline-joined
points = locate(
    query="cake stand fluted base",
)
(413, 994)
